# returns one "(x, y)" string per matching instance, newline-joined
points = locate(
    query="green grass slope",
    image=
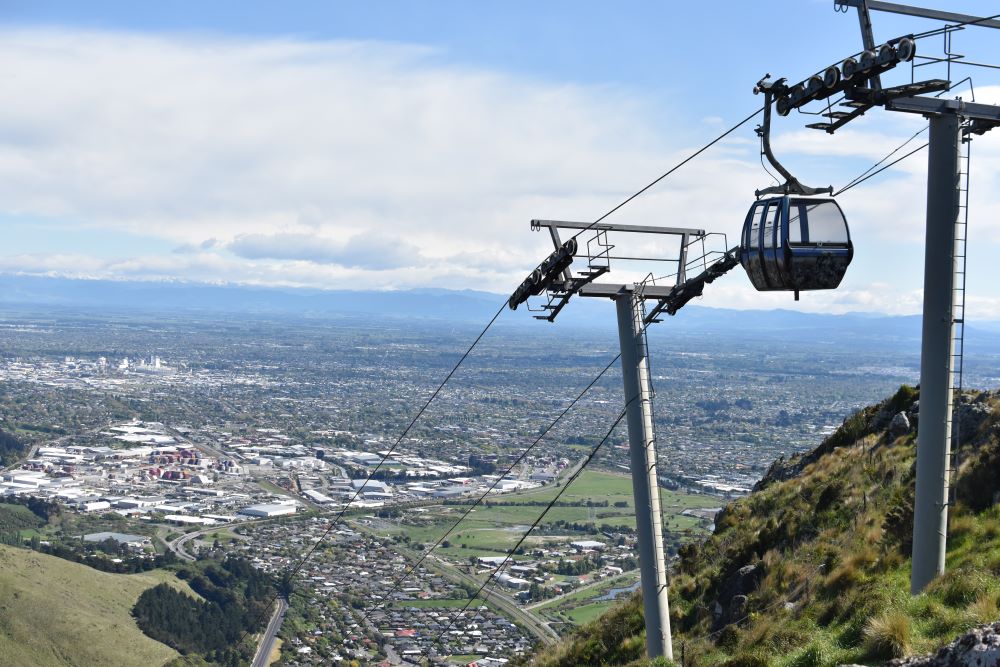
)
(55, 612)
(813, 567)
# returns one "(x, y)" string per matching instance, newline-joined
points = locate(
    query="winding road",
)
(266, 644)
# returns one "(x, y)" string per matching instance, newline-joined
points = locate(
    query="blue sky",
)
(394, 144)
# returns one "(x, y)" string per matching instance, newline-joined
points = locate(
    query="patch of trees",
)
(574, 568)
(540, 503)
(537, 592)
(561, 526)
(482, 465)
(11, 449)
(40, 507)
(13, 519)
(236, 601)
(106, 556)
(713, 405)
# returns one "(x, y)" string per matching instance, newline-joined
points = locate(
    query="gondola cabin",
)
(795, 244)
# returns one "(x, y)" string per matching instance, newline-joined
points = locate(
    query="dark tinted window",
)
(824, 223)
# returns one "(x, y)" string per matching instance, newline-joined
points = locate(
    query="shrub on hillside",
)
(888, 635)
(979, 483)
(960, 587)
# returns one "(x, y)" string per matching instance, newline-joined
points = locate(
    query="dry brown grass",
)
(986, 608)
(888, 635)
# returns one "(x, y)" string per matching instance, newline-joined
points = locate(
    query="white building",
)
(268, 510)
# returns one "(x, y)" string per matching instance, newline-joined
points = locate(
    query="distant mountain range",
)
(33, 293)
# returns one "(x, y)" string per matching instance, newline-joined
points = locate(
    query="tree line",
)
(237, 598)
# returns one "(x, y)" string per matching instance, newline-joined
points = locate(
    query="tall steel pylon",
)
(951, 121)
(553, 276)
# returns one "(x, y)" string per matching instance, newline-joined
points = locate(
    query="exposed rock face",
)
(969, 416)
(899, 426)
(980, 647)
(731, 605)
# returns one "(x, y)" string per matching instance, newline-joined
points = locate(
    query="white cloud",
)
(364, 165)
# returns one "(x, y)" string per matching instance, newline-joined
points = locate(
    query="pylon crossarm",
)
(683, 292)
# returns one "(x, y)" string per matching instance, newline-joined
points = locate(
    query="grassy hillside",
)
(54, 612)
(813, 568)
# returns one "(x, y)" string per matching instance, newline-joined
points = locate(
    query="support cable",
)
(876, 173)
(305, 558)
(482, 497)
(671, 170)
(537, 521)
(889, 155)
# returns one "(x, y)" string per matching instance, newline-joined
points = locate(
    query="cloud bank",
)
(349, 164)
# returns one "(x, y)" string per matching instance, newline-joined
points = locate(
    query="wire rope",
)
(670, 171)
(305, 558)
(860, 177)
(482, 497)
(952, 26)
(537, 521)
(876, 173)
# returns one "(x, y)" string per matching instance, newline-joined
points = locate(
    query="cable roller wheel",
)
(868, 60)
(886, 55)
(906, 48)
(831, 77)
(849, 68)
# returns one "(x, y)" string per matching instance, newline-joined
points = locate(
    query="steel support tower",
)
(645, 485)
(930, 509)
(951, 121)
(554, 277)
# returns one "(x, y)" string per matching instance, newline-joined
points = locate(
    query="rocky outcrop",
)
(979, 647)
(731, 604)
(970, 414)
(899, 426)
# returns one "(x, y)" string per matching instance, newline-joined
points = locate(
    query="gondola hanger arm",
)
(791, 186)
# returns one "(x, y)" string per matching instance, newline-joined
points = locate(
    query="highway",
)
(177, 544)
(266, 644)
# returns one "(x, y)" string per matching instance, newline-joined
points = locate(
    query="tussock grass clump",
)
(986, 608)
(814, 655)
(888, 635)
(960, 527)
(960, 587)
(748, 659)
(850, 572)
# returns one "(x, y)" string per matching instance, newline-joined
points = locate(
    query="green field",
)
(495, 527)
(588, 612)
(54, 612)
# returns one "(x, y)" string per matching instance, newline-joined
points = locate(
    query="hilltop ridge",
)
(812, 568)
(54, 612)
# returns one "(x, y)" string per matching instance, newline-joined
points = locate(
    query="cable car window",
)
(795, 221)
(769, 223)
(755, 226)
(825, 222)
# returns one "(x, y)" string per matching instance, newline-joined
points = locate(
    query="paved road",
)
(594, 584)
(529, 621)
(266, 644)
(177, 545)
